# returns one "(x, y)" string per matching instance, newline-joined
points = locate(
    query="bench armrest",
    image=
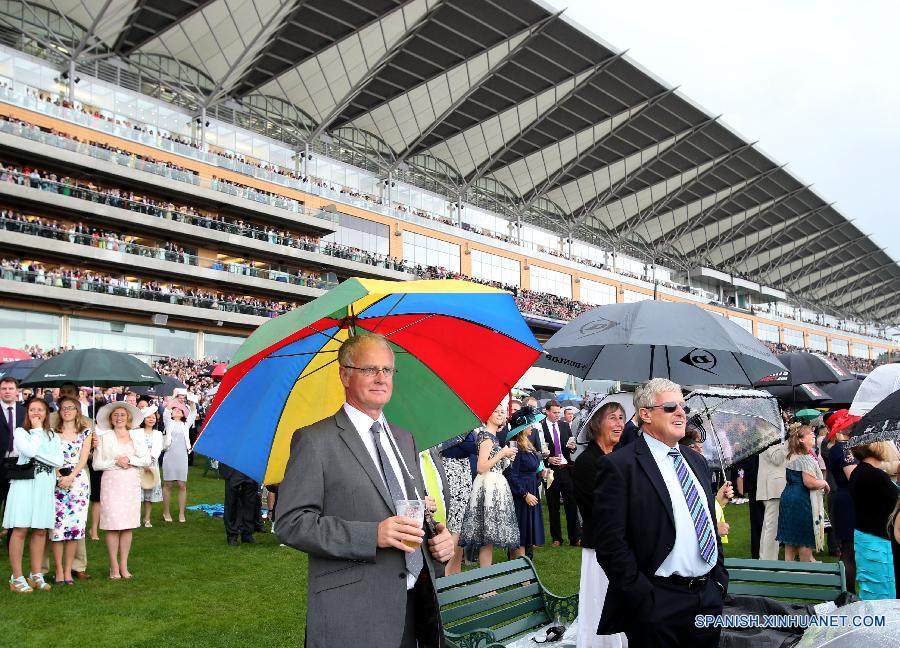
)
(561, 606)
(474, 639)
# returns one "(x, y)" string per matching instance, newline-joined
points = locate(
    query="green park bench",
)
(517, 603)
(795, 581)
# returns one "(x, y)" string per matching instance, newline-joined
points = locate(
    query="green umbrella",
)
(807, 414)
(96, 367)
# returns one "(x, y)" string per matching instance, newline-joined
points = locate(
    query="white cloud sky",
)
(816, 82)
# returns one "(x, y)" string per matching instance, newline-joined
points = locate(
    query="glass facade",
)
(362, 234)
(422, 250)
(767, 332)
(840, 346)
(793, 337)
(20, 329)
(747, 324)
(221, 347)
(816, 342)
(632, 296)
(597, 293)
(493, 267)
(551, 281)
(858, 350)
(131, 338)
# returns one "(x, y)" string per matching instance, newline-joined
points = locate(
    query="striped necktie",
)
(702, 526)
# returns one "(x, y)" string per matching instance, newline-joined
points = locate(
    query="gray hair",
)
(347, 352)
(645, 395)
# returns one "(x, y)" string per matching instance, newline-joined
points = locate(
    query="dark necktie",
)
(702, 526)
(11, 422)
(414, 561)
(557, 450)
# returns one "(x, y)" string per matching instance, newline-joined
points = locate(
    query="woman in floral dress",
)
(73, 487)
(490, 518)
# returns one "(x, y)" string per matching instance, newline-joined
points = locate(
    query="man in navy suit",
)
(12, 413)
(558, 444)
(655, 532)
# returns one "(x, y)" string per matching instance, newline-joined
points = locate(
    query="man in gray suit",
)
(336, 503)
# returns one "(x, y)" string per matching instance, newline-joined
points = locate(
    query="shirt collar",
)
(658, 448)
(362, 421)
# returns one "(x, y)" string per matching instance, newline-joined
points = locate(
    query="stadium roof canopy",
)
(505, 103)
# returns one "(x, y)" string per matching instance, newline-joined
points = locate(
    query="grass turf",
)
(190, 588)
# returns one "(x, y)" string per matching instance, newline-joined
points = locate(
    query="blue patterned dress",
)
(72, 504)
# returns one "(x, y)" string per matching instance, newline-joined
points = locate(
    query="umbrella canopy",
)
(165, 388)
(807, 395)
(8, 354)
(459, 349)
(878, 385)
(567, 396)
(841, 393)
(218, 370)
(654, 339)
(881, 424)
(20, 368)
(97, 367)
(542, 394)
(738, 423)
(807, 414)
(803, 368)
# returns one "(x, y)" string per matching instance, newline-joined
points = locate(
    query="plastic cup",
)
(414, 509)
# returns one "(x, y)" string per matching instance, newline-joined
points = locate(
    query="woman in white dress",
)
(30, 503)
(177, 419)
(155, 445)
(604, 428)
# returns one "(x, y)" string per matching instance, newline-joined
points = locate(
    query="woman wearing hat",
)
(604, 429)
(121, 454)
(73, 487)
(522, 476)
(841, 464)
(177, 419)
(150, 482)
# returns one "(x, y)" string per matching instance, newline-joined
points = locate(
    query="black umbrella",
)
(20, 368)
(841, 393)
(167, 388)
(542, 394)
(881, 424)
(95, 367)
(804, 368)
(805, 395)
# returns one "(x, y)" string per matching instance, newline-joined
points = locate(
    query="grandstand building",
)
(174, 173)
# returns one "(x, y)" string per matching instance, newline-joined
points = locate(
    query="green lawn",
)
(191, 589)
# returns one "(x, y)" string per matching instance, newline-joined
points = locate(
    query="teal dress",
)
(795, 514)
(31, 503)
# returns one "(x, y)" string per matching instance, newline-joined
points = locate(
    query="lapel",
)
(648, 463)
(351, 437)
(703, 480)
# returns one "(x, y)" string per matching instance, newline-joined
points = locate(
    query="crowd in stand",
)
(854, 364)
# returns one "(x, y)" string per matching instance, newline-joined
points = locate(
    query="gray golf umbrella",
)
(654, 339)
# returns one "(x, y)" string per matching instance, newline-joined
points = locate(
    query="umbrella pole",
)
(716, 442)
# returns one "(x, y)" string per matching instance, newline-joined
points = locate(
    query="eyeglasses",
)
(371, 372)
(70, 408)
(669, 408)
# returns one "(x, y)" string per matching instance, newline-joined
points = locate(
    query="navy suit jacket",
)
(5, 432)
(634, 531)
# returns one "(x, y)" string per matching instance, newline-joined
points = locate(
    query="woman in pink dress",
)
(121, 454)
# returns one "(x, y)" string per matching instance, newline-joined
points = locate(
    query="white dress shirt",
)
(684, 559)
(363, 424)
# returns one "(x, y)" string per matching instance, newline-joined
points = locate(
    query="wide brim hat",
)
(524, 418)
(103, 415)
(149, 479)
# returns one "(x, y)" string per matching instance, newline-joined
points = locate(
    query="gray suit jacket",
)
(330, 503)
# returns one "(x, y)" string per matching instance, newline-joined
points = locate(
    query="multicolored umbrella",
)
(459, 349)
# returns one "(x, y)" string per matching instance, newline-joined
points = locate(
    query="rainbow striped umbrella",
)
(459, 349)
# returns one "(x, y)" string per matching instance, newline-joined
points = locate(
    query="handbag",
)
(150, 480)
(14, 470)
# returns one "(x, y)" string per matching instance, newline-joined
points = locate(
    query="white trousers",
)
(591, 595)
(768, 545)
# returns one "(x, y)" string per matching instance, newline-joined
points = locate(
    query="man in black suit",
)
(242, 505)
(12, 413)
(558, 440)
(655, 531)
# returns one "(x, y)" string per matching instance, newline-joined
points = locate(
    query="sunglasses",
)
(669, 408)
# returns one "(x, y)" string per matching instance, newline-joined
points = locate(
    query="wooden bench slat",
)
(797, 578)
(451, 615)
(532, 622)
(780, 591)
(781, 565)
(500, 617)
(457, 594)
(481, 573)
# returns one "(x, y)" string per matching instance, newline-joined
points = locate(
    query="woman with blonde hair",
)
(30, 502)
(522, 475)
(874, 499)
(801, 517)
(73, 488)
(121, 454)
